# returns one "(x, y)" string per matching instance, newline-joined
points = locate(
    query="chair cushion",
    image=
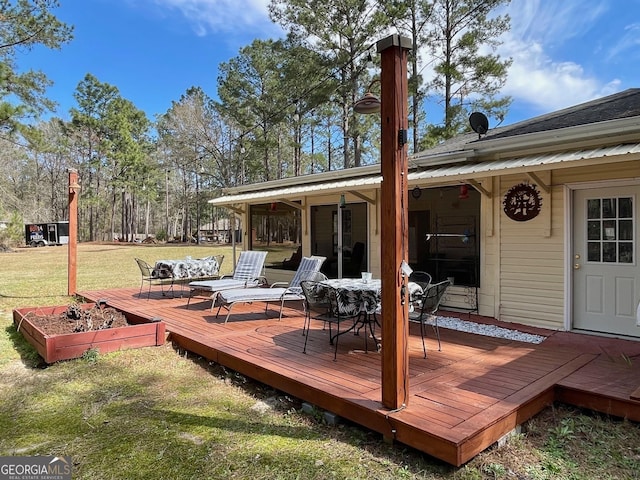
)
(215, 285)
(252, 295)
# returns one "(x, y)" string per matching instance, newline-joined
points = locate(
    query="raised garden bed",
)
(66, 332)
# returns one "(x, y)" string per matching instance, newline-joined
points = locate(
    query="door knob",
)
(576, 266)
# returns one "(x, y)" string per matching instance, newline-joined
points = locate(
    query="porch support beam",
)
(538, 181)
(304, 217)
(548, 206)
(237, 210)
(361, 196)
(377, 231)
(297, 206)
(475, 184)
(394, 212)
(72, 260)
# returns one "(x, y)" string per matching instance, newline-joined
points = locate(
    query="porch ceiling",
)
(440, 175)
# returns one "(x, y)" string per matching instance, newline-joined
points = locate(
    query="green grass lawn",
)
(165, 414)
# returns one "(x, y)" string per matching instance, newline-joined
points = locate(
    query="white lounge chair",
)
(248, 273)
(309, 269)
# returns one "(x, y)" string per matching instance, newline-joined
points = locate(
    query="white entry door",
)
(606, 267)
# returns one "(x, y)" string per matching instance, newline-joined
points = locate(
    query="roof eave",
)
(614, 131)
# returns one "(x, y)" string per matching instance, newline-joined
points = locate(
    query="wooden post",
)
(74, 190)
(394, 211)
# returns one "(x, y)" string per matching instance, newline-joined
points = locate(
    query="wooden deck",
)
(461, 399)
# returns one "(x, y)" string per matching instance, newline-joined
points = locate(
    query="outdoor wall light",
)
(343, 201)
(369, 103)
(74, 187)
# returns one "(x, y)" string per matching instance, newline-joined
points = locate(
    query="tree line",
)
(283, 108)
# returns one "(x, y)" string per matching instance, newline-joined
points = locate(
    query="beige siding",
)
(531, 280)
(593, 173)
(489, 251)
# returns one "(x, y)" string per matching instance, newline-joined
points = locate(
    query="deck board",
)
(461, 399)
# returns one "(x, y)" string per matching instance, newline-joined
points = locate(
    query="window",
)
(610, 227)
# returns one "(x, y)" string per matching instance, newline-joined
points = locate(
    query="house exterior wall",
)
(523, 265)
(489, 251)
(531, 259)
(529, 266)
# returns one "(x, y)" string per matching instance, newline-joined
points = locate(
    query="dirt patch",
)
(76, 319)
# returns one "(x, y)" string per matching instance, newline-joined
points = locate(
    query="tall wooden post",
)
(394, 211)
(74, 190)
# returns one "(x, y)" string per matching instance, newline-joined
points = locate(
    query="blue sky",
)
(564, 51)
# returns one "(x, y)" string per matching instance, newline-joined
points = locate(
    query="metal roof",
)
(296, 191)
(441, 174)
(525, 164)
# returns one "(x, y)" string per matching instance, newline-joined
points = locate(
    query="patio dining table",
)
(362, 299)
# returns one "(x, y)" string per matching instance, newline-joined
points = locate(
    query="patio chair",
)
(323, 302)
(353, 267)
(427, 310)
(293, 262)
(309, 269)
(423, 279)
(248, 273)
(146, 271)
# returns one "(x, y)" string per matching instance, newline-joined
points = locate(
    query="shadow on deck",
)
(461, 399)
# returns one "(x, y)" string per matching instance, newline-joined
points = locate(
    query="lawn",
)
(161, 413)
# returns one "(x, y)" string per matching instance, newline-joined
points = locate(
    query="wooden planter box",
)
(142, 332)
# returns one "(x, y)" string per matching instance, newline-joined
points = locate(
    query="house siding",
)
(531, 279)
(523, 267)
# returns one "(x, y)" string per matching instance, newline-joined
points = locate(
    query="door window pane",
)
(625, 230)
(593, 251)
(593, 208)
(610, 231)
(626, 252)
(593, 230)
(609, 252)
(625, 207)
(609, 208)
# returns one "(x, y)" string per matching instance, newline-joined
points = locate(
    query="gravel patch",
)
(488, 330)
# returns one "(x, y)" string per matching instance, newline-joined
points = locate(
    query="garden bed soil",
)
(66, 332)
(94, 318)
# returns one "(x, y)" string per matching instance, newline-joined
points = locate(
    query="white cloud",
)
(553, 22)
(629, 42)
(225, 16)
(540, 28)
(548, 84)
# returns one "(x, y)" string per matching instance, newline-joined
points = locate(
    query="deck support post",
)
(393, 215)
(74, 191)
